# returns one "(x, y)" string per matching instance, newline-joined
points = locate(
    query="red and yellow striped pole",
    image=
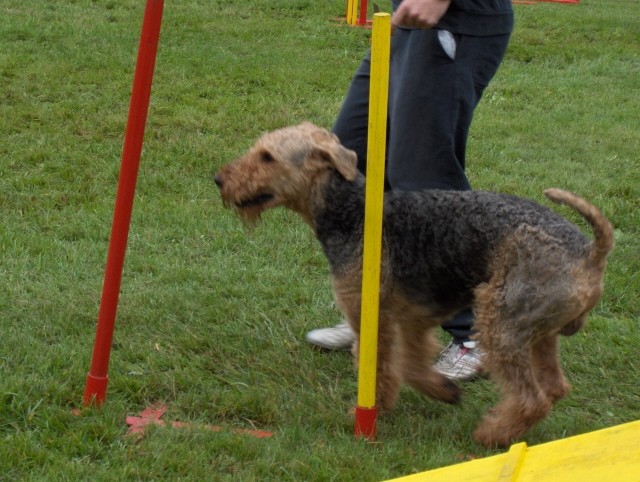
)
(366, 411)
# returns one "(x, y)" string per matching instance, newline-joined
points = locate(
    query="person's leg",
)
(433, 93)
(423, 109)
(425, 146)
(437, 83)
(477, 60)
(480, 58)
(351, 125)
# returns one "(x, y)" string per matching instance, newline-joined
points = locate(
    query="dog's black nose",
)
(218, 181)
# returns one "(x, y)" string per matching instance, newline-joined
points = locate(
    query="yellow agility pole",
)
(352, 12)
(366, 411)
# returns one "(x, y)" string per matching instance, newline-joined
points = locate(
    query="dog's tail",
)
(602, 229)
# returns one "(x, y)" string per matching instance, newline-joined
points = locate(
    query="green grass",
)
(212, 316)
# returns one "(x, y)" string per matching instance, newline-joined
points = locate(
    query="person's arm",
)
(419, 13)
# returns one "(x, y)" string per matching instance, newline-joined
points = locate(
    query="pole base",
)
(96, 390)
(366, 422)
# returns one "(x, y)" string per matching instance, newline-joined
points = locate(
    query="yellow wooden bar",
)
(609, 454)
(513, 463)
(374, 200)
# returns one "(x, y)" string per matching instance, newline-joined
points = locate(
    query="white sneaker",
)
(460, 362)
(339, 337)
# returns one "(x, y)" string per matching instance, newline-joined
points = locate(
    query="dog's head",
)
(281, 169)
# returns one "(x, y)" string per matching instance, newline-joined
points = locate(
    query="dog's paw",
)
(489, 439)
(437, 386)
(446, 391)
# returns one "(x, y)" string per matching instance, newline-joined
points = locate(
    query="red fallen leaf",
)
(152, 415)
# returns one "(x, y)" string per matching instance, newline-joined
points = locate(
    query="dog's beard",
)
(249, 215)
(250, 209)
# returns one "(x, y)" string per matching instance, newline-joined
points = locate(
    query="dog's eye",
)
(266, 157)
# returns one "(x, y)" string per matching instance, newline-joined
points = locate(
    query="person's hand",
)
(419, 13)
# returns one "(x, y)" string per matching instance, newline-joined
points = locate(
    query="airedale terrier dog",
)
(528, 274)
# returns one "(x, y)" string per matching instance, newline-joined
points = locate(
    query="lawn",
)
(212, 315)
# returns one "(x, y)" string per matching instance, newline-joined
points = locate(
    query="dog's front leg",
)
(388, 377)
(417, 349)
(387, 374)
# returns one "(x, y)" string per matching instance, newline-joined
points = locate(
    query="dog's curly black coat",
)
(451, 244)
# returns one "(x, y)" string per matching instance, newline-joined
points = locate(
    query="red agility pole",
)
(97, 379)
(362, 19)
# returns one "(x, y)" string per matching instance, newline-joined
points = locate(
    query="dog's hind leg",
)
(507, 342)
(547, 368)
(523, 401)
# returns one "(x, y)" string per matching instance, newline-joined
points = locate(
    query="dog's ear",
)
(329, 149)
